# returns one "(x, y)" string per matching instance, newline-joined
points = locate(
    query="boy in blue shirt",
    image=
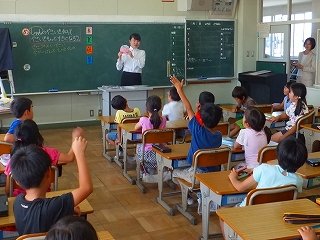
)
(202, 136)
(22, 109)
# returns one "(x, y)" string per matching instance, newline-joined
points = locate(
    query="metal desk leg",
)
(105, 129)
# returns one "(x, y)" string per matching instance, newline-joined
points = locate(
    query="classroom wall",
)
(64, 105)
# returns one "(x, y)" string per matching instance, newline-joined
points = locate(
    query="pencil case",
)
(297, 218)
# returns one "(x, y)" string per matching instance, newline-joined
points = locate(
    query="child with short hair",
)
(202, 136)
(28, 134)
(292, 154)
(297, 109)
(120, 104)
(30, 166)
(286, 100)
(174, 109)
(253, 137)
(152, 121)
(72, 227)
(243, 102)
(204, 97)
(22, 109)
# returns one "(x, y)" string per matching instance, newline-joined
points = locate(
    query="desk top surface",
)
(104, 235)
(306, 171)
(218, 182)
(106, 119)
(308, 126)
(179, 124)
(264, 221)
(85, 208)
(178, 151)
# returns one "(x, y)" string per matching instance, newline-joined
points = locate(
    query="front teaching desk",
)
(136, 96)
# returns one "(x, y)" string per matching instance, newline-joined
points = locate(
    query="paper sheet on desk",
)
(4, 159)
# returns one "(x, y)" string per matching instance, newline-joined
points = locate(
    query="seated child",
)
(123, 111)
(72, 227)
(152, 121)
(28, 134)
(286, 101)
(22, 109)
(30, 167)
(204, 97)
(297, 109)
(253, 137)
(292, 154)
(174, 109)
(202, 136)
(243, 102)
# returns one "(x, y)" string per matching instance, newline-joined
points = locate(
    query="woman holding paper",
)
(131, 60)
(307, 63)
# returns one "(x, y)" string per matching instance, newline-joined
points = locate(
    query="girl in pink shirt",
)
(152, 121)
(28, 133)
(254, 137)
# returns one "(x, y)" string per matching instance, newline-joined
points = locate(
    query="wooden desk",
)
(107, 124)
(311, 135)
(104, 235)
(130, 134)
(216, 187)
(228, 112)
(264, 221)
(178, 152)
(85, 208)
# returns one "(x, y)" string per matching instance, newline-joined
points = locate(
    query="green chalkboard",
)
(78, 56)
(209, 49)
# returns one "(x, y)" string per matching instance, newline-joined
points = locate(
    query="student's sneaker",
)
(190, 201)
(149, 178)
(166, 176)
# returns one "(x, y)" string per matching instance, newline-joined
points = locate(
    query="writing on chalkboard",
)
(209, 49)
(52, 39)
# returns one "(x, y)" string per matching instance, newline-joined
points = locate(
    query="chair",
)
(153, 136)
(117, 157)
(53, 180)
(264, 108)
(267, 153)
(307, 118)
(223, 127)
(275, 194)
(201, 158)
(32, 236)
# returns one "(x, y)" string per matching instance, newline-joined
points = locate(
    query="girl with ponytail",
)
(152, 121)
(297, 109)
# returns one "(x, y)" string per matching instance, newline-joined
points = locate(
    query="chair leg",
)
(183, 207)
(138, 181)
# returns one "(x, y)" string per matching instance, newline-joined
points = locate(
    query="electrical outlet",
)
(99, 112)
(91, 113)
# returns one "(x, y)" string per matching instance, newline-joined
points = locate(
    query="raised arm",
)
(85, 183)
(179, 86)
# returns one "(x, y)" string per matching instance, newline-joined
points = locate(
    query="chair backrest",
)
(307, 118)
(264, 108)
(210, 157)
(267, 153)
(268, 195)
(32, 236)
(165, 135)
(5, 148)
(130, 120)
(223, 127)
(53, 180)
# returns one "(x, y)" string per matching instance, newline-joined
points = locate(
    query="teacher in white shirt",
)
(131, 62)
(307, 63)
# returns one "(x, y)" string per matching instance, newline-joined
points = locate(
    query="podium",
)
(265, 88)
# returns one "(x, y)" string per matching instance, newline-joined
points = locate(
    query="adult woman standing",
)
(307, 63)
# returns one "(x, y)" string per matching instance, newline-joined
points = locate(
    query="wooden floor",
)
(119, 207)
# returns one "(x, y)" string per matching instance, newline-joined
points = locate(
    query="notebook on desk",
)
(4, 159)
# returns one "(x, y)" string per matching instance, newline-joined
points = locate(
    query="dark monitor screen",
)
(275, 67)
